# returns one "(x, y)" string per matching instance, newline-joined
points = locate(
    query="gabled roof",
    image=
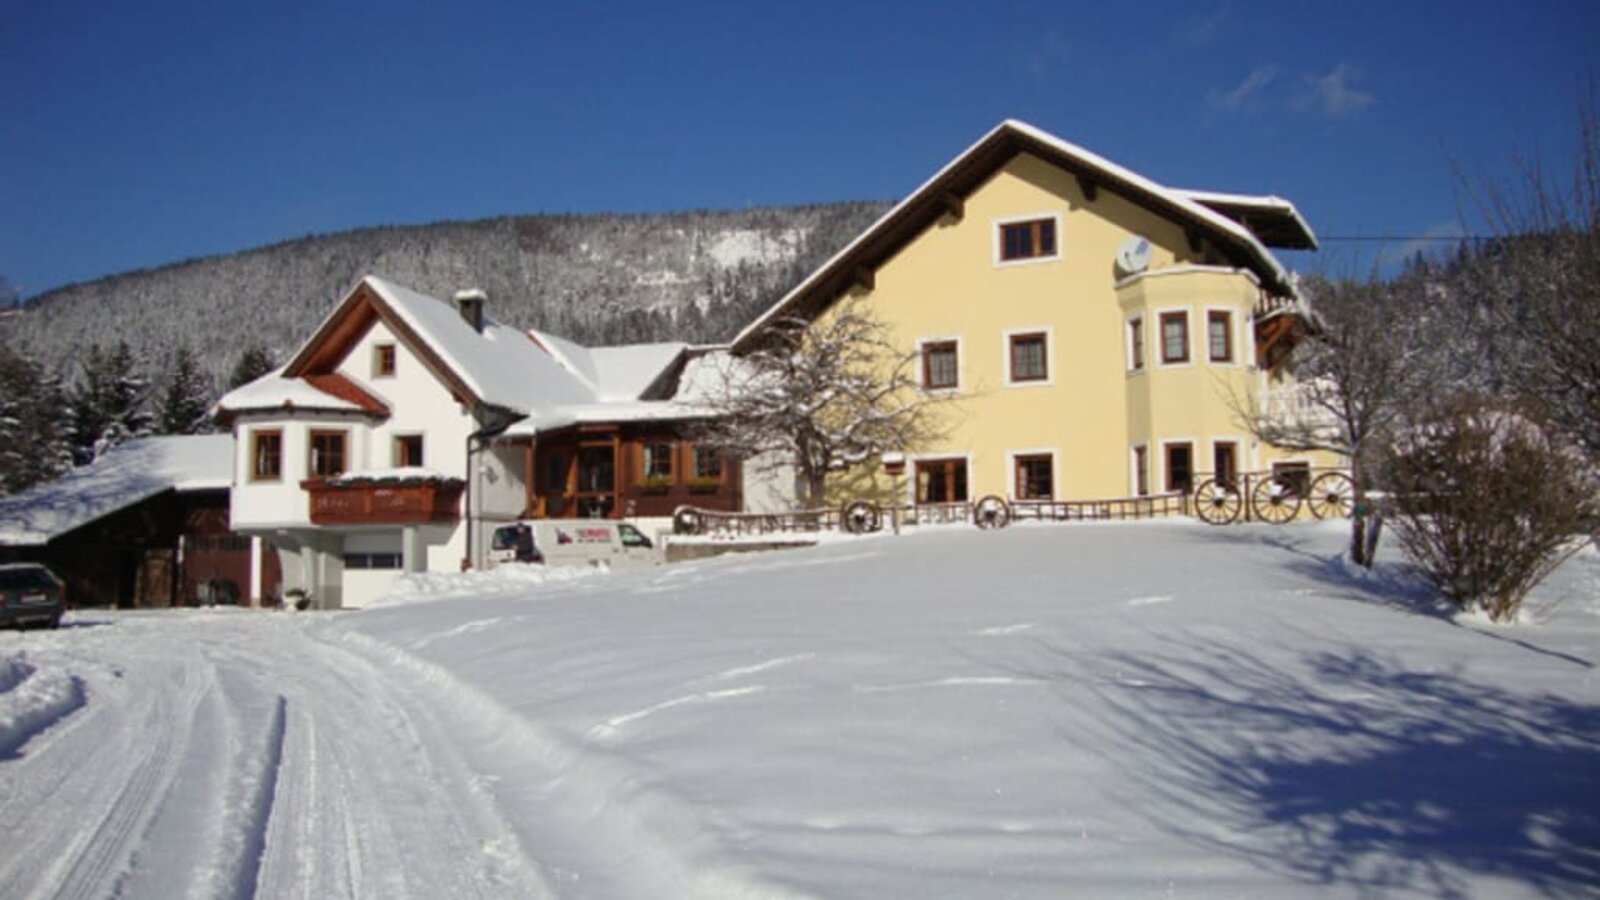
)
(315, 393)
(966, 172)
(125, 475)
(1272, 219)
(612, 373)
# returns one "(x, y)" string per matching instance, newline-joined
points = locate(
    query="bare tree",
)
(1357, 369)
(1541, 279)
(824, 396)
(1488, 501)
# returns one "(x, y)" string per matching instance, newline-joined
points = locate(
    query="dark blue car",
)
(30, 594)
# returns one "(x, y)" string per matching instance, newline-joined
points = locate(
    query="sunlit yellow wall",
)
(948, 284)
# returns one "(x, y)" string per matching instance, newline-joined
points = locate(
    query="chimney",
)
(470, 304)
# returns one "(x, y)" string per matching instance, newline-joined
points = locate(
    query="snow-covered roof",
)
(612, 373)
(992, 150)
(500, 366)
(1271, 218)
(125, 475)
(322, 393)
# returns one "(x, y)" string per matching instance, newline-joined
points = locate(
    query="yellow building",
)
(1097, 333)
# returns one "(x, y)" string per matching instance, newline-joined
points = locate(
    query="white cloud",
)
(1245, 91)
(1201, 28)
(1333, 95)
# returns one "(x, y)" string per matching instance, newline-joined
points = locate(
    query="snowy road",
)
(233, 755)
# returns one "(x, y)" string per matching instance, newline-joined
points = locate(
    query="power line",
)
(1404, 237)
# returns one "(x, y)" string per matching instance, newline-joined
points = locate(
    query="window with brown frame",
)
(266, 455)
(1175, 337)
(707, 463)
(940, 369)
(941, 480)
(1035, 477)
(327, 454)
(1136, 344)
(1219, 330)
(1033, 239)
(1141, 472)
(1029, 359)
(383, 360)
(656, 461)
(408, 451)
(1180, 468)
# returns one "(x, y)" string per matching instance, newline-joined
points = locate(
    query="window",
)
(327, 454)
(939, 366)
(383, 360)
(597, 482)
(1219, 332)
(1035, 477)
(266, 456)
(1180, 468)
(1032, 239)
(1225, 462)
(372, 560)
(1028, 358)
(408, 451)
(657, 462)
(1175, 337)
(941, 481)
(1295, 476)
(1136, 344)
(1141, 472)
(707, 463)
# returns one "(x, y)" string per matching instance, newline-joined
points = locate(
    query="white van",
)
(572, 542)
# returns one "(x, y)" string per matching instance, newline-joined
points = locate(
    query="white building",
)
(405, 429)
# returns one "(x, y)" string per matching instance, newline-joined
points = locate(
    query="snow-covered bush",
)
(1487, 500)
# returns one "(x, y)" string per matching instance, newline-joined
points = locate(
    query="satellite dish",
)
(1134, 255)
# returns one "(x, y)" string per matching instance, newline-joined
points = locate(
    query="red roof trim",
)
(336, 385)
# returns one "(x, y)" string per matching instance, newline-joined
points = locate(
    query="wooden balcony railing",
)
(383, 502)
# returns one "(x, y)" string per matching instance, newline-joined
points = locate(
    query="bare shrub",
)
(1488, 500)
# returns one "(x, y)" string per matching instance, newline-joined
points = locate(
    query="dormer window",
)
(1028, 239)
(383, 360)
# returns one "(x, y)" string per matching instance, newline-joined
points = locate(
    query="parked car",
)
(30, 593)
(572, 542)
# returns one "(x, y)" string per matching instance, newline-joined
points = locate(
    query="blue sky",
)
(137, 134)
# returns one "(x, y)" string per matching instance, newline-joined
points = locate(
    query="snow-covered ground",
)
(1144, 710)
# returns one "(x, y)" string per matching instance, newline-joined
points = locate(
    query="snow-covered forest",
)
(691, 276)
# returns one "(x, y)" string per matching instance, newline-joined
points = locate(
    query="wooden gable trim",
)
(353, 318)
(335, 385)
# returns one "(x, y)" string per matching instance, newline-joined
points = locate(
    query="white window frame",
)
(1161, 339)
(1012, 491)
(1235, 339)
(1049, 356)
(996, 245)
(1133, 469)
(961, 365)
(1161, 465)
(1127, 342)
(911, 472)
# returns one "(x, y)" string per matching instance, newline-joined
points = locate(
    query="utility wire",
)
(1403, 237)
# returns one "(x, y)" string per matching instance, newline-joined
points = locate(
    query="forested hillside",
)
(692, 276)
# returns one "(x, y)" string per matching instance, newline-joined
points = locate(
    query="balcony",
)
(1303, 408)
(357, 501)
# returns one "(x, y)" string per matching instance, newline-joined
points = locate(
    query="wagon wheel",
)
(1217, 502)
(991, 512)
(861, 517)
(687, 521)
(1333, 496)
(1275, 500)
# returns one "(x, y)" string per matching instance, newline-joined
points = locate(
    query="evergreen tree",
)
(253, 363)
(108, 402)
(33, 441)
(186, 402)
